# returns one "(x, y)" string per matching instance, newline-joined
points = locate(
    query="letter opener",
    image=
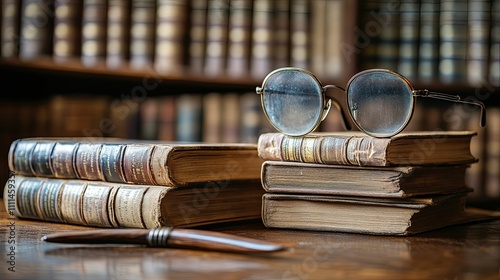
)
(168, 237)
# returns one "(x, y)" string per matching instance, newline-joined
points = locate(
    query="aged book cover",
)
(356, 148)
(134, 161)
(102, 204)
(398, 181)
(377, 216)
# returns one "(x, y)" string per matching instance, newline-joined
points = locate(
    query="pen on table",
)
(168, 237)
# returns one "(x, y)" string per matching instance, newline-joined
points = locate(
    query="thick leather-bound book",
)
(103, 204)
(67, 29)
(398, 181)
(10, 37)
(368, 215)
(37, 19)
(136, 162)
(356, 148)
(118, 26)
(142, 33)
(171, 18)
(94, 31)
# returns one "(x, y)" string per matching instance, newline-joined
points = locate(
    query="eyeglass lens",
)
(293, 102)
(380, 103)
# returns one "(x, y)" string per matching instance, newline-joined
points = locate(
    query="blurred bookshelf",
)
(187, 70)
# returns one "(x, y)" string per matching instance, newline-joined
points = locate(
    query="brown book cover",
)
(102, 204)
(262, 38)
(67, 29)
(399, 181)
(239, 37)
(300, 37)
(118, 25)
(37, 23)
(171, 20)
(134, 161)
(197, 35)
(217, 36)
(142, 33)
(376, 216)
(10, 37)
(94, 31)
(357, 148)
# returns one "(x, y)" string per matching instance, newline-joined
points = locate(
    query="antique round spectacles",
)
(379, 101)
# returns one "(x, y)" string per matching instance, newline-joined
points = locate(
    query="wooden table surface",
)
(469, 251)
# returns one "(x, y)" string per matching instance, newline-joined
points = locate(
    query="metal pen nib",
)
(168, 237)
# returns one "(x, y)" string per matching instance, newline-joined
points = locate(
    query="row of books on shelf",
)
(237, 38)
(221, 118)
(341, 181)
(445, 41)
(188, 117)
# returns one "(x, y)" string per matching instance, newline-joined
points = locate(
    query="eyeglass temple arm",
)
(453, 98)
(345, 123)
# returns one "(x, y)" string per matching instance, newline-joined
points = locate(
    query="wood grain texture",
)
(468, 251)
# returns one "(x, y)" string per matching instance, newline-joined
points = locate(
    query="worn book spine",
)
(478, 45)
(10, 38)
(428, 58)
(453, 41)
(108, 162)
(425, 148)
(240, 22)
(345, 150)
(88, 203)
(197, 35)
(67, 29)
(335, 22)
(409, 38)
(63, 158)
(170, 35)
(36, 28)
(94, 22)
(300, 39)
(281, 37)
(262, 38)
(87, 161)
(142, 34)
(217, 35)
(117, 33)
(494, 61)
(103, 204)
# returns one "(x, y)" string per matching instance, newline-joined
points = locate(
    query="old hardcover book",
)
(94, 31)
(217, 37)
(376, 216)
(428, 55)
(102, 204)
(11, 14)
(300, 37)
(239, 37)
(197, 35)
(408, 39)
(356, 148)
(142, 33)
(262, 38)
(128, 161)
(281, 33)
(453, 41)
(399, 181)
(171, 20)
(36, 28)
(67, 29)
(118, 25)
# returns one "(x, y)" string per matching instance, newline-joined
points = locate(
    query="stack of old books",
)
(351, 182)
(123, 183)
